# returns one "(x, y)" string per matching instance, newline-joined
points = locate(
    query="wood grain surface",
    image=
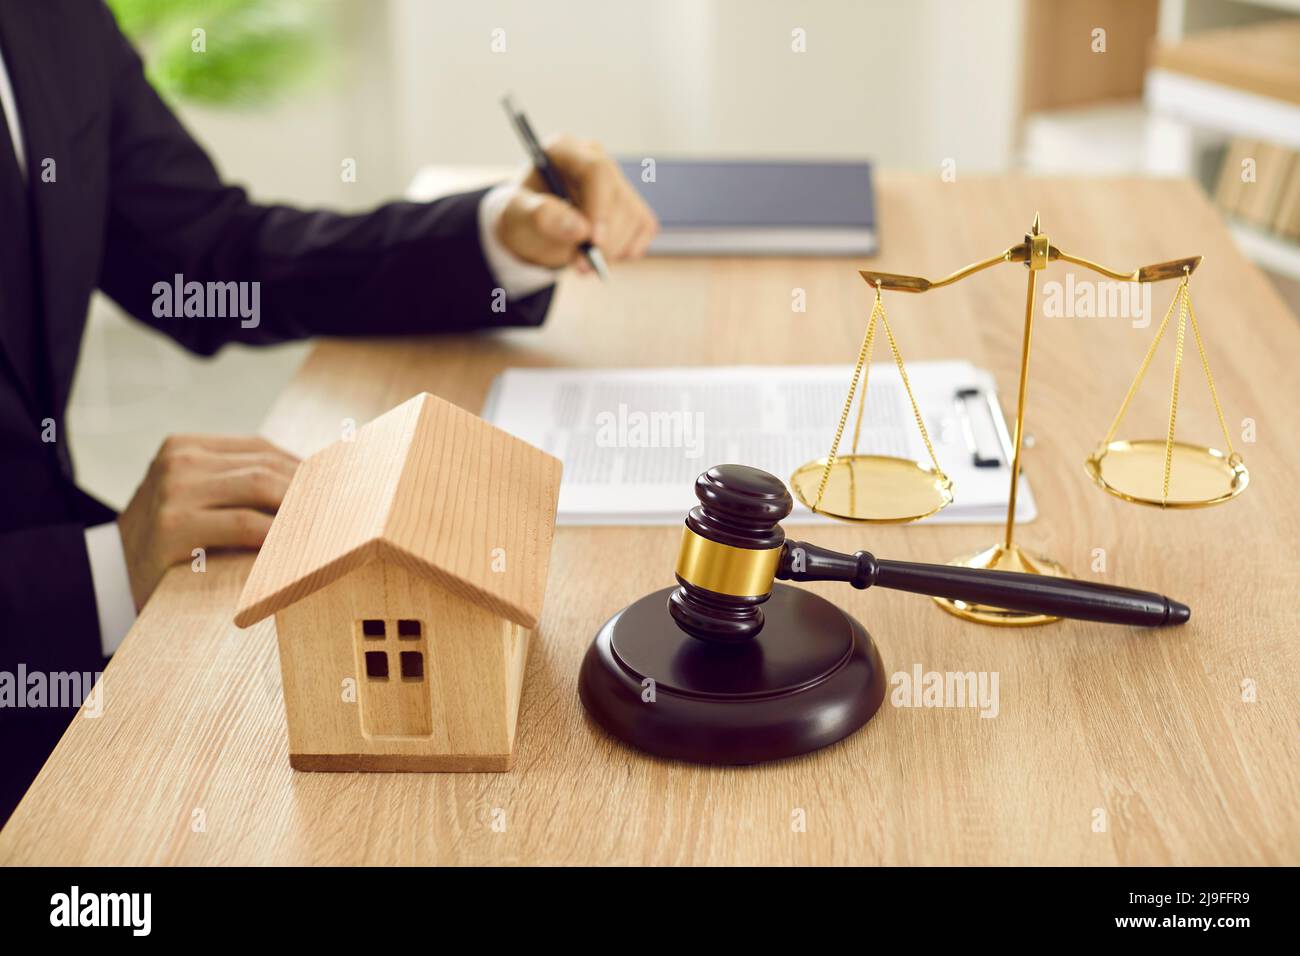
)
(1110, 745)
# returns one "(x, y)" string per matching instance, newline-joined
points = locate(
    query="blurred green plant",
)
(248, 52)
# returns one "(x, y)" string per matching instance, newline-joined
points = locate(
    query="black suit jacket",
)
(135, 201)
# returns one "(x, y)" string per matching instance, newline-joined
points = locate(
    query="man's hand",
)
(545, 230)
(201, 491)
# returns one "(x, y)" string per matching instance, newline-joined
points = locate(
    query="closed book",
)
(1286, 222)
(1228, 192)
(758, 208)
(1260, 198)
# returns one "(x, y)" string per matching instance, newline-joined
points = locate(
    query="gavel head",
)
(731, 546)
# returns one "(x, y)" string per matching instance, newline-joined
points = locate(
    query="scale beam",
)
(1020, 252)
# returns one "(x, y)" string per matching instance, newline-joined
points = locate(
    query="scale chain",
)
(863, 354)
(916, 410)
(1183, 295)
(862, 371)
(1142, 369)
(1205, 364)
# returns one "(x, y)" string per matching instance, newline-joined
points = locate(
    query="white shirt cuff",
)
(519, 279)
(108, 577)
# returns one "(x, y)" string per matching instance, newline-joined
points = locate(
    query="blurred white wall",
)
(292, 150)
(905, 83)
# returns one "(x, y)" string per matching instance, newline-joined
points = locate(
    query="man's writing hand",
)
(543, 229)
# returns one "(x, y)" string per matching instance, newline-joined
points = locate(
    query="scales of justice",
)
(1159, 472)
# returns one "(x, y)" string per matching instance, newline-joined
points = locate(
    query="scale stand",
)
(857, 487)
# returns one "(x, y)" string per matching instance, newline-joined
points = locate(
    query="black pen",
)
(549, 176)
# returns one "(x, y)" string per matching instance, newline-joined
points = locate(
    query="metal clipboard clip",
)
(983, 427)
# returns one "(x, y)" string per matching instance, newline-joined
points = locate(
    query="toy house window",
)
(377, 639)
(412, 665)
(377, 665)
(394, 686)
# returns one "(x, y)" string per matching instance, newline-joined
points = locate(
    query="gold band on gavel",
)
(722, 569)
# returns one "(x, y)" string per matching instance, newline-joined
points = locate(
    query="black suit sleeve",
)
(59, 634)
(50, 630)
(403, 268)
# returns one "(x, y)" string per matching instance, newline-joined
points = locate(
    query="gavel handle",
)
(1042, 594)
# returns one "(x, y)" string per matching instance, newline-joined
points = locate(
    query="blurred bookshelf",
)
(1234, 92)
(1203, 88)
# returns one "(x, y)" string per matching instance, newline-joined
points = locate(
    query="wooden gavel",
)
(733, 549)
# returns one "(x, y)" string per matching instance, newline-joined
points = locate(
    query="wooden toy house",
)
(406, 569)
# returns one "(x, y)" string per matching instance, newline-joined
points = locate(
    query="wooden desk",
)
(1148, 726)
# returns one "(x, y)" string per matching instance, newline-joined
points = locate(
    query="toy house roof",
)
(430, 487)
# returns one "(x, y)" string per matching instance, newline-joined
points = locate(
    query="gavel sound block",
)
(730, 667)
